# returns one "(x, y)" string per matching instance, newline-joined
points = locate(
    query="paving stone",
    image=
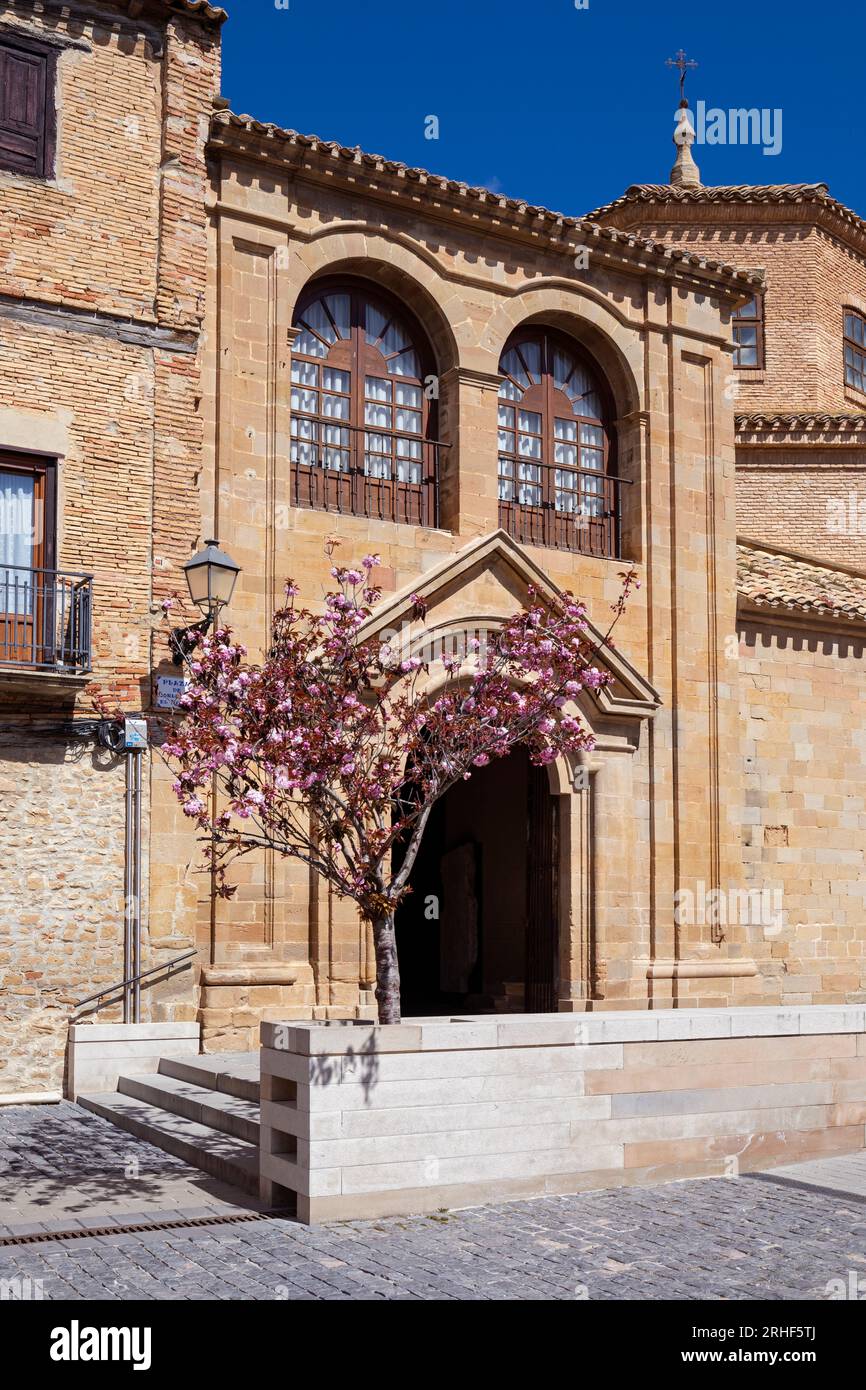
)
(748, 1238)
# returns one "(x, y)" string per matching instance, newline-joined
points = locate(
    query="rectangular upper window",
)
(749, 334)
(27, 110)
(855, 350)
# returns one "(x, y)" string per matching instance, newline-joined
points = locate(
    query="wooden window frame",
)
(544, 524)
(756, 321)
(43, 165)
(44, 469)
(20, 635)
(857, 348)
(353, 490)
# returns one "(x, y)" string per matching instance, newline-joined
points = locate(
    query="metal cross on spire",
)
(683, 63)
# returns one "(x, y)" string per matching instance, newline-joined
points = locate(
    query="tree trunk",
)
(387, 969)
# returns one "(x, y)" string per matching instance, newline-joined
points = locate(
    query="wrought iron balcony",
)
(369, 472)
(561, 506)
(45, 620)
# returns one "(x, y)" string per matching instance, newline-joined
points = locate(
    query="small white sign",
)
(168, 691)
(135, 733)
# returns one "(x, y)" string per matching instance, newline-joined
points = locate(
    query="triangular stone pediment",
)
(476, 590)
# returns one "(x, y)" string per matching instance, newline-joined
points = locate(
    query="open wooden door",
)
(542, 895)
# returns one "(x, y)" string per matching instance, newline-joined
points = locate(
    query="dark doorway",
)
(479, 931)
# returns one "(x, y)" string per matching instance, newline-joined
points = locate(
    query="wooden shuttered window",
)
(26, 108)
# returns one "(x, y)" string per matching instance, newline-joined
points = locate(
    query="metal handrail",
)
(133, 979)
(35, 569)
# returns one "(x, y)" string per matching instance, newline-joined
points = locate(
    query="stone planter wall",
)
(361, 1120)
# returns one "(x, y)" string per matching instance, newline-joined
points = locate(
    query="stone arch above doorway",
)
(478, 589)
(594, 845)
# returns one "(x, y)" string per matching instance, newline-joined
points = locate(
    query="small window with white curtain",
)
(26, 550)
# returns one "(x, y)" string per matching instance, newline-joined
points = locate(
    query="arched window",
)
(363, 430)
(557, 484)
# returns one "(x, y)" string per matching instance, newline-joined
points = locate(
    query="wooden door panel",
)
(542, 920)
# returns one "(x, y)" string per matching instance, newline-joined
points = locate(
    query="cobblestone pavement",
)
(750, 1238)
(61, 1163)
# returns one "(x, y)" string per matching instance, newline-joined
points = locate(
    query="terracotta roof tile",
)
(812, 421)
(744, 193)
(771, 578)
(202, 9)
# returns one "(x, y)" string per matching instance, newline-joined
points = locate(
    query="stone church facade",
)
(278, 340)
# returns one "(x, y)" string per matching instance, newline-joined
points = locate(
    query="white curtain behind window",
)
(17, 541)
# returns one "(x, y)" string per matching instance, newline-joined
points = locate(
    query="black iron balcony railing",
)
(45, 620)
(368, 472)
(577, 509)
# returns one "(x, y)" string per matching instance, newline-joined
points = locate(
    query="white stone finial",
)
(685, 172)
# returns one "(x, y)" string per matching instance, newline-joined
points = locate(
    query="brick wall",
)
(813, 272)
(104, 269)
(108, 139)
(812, 500)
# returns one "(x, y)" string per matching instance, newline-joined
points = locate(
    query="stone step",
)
(216, 1109)
(223, 1156)
(232, 1073)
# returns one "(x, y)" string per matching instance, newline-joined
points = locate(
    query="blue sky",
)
(563, 107)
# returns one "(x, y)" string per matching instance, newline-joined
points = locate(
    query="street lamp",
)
(210, 576)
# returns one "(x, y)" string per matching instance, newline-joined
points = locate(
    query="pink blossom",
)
(334, 748)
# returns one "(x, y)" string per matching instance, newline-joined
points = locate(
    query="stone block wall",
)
(285, 213)
(362, 1121)
(61, 899)
(804, 813)
(99, 1053)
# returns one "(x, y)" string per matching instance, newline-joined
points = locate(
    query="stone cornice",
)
(128, 15)
(386, 179)
(797, 619)
(469, 376)
(802, 427)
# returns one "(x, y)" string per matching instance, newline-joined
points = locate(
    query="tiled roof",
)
(457, 193)
(770, 578)
(200, 8)
(744, 193)
(800, 421)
